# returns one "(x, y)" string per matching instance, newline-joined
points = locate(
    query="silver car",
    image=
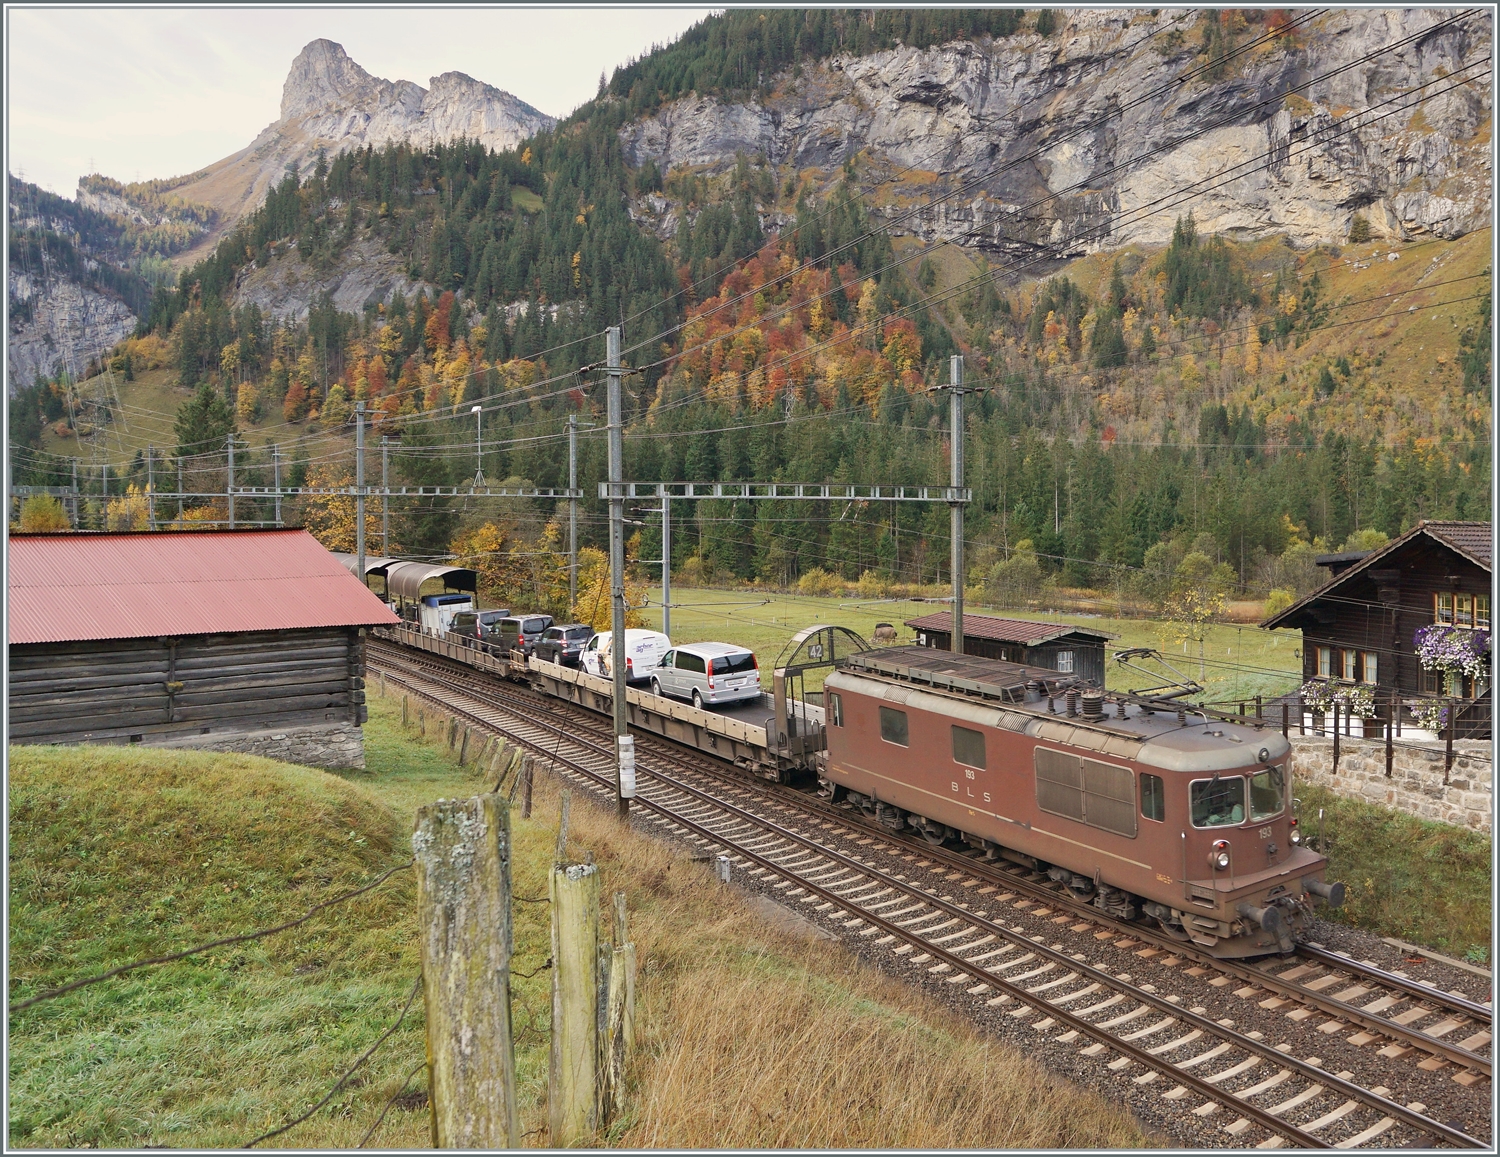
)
(707, 673)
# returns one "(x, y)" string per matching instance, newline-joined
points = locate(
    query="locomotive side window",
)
(1218, 801)
(1109, 797)
(1153, 797)
(1265, 793)
(835, 709)
(968, 747)
(893, 726)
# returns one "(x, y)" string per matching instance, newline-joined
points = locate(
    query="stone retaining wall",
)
(1416, 782)
(336, 746)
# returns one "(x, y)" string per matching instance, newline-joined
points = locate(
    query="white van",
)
(643, 651)
(707, 673)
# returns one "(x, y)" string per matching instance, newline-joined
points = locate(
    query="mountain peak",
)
(322, 75)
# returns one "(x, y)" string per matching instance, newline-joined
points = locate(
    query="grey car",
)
(522, 632)
(564, 644)
(707, 673)
(478, 626)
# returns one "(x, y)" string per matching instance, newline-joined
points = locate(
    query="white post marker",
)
(627, 766)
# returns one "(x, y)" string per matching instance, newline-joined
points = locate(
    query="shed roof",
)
(1471, 540)
(75, 587)
(1022, 631)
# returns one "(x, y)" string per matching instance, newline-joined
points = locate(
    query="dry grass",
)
(756, 1037)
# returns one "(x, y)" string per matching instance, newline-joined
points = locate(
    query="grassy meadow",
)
(1239, 660)
(749, 1036)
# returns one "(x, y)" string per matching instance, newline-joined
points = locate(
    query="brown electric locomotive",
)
(1145, 809)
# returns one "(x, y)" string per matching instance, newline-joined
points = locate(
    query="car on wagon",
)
(707, 673)
(521, 632)
(478, 626)
(643, 651)
(564, 644)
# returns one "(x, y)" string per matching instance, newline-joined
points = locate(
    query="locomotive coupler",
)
(1270, 919)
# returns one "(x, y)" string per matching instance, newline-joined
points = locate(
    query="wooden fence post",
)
(1286, 711)
(463, 748)
(526, 771)
(620, 1034)
(422, 723)
(405, 712)
(573, 1070)
(1335, 738)
(462, 850)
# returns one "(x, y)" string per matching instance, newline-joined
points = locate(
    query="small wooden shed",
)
(1063, 647)
(245, 640)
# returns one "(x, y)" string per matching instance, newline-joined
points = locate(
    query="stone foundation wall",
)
(1416, 782)
(335, 746)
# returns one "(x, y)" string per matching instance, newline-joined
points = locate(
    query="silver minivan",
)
(707, 673)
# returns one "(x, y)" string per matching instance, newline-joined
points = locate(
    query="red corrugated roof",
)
(72, 587)
(1022, 631)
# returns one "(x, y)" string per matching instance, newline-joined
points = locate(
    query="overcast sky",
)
(137, 93)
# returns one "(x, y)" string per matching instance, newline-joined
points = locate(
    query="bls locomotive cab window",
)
(1265, 793)
(835, 709)
(1218, 801)
(968, 747)
(893, 726)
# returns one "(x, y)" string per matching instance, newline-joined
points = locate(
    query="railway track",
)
(856, 886)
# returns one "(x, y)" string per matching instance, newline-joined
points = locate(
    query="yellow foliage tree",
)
(131, 511)
(499, 557)
(42, 513)
(333, 518)
(594, 606)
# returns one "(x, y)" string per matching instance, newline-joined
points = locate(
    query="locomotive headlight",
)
(1295, 837)
(1219, 858)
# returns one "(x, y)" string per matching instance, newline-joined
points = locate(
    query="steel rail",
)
(1137, 1053)
(1291, 990)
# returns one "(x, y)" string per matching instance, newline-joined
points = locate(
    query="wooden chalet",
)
(246, 640)
(1061, 647)
(1360, 626)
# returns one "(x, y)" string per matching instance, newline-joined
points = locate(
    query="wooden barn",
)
(247, 640)
(1061, 646)
(1360, 626)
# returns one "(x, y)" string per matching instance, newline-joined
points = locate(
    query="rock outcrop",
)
(1073, 143)
(286, 288)
(58, 326)
(329, 102)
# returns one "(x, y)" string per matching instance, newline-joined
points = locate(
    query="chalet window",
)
(835, 709)
(1153, 797)
(1325, 662)
(1065, 662)
(968, 747)
(1346, 670)
(1451, 609)
(1370, 667)
(1430, 682)
(893, 726)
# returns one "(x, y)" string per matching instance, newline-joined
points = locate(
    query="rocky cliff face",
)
(58, 326)
(330, 102)
(1065, 144)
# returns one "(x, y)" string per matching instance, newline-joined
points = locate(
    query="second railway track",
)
(1122, 1023)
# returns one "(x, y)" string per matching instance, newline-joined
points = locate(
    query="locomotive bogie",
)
(1185, 821)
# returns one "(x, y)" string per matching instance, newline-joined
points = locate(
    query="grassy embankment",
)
(1425, 882)
(749, 1035)
(766, 620)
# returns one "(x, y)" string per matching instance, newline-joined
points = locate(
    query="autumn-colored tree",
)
(332, 518)
(594, 606)
(294, 408)
(131, 511)
(42, 513)
(497, 555)
(438, 327)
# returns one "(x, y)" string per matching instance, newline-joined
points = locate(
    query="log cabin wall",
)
(152, 690)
